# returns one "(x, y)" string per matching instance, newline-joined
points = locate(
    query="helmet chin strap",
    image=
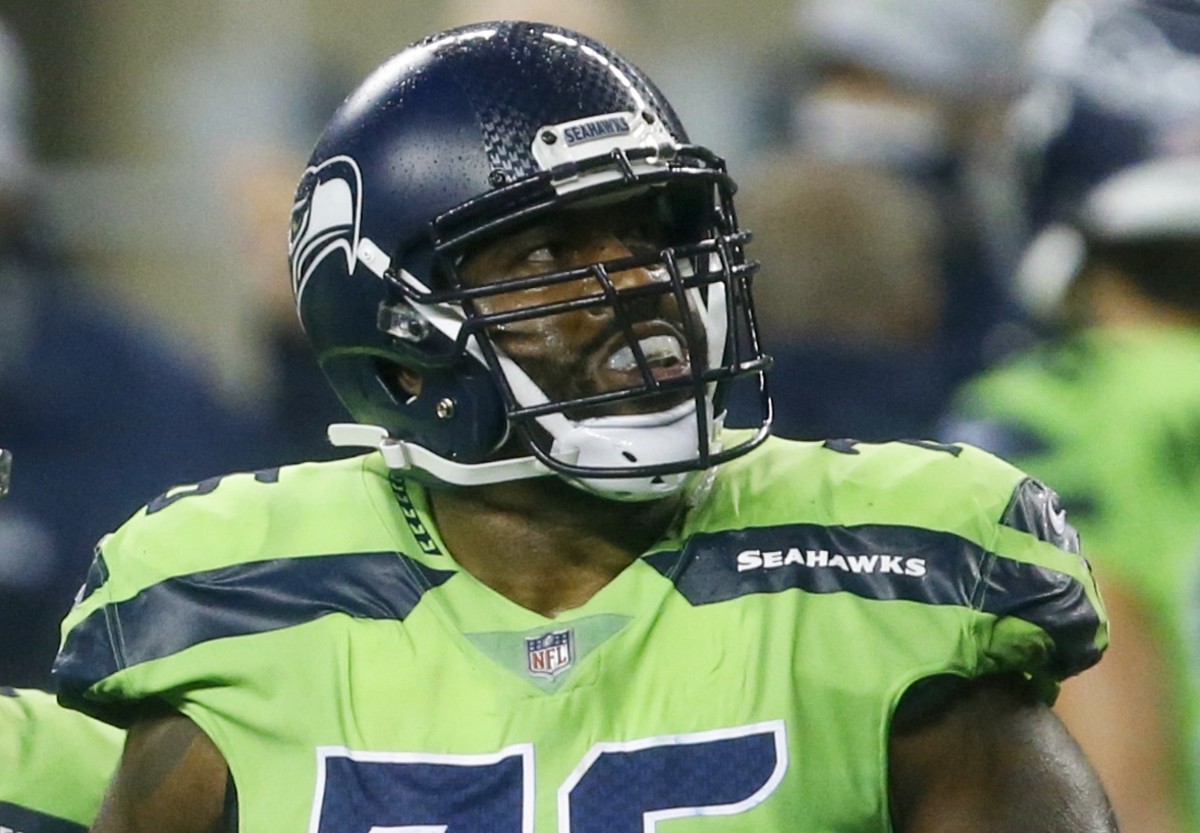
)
(402, 455)
(618, 442)
(604, 442)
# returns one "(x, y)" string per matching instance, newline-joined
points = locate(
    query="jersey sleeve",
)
(117, 610)
(947, 537)
(171, 594)
(1042, 613)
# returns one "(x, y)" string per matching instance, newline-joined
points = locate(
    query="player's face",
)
(587, 351)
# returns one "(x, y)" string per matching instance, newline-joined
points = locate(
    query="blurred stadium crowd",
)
(949, 253)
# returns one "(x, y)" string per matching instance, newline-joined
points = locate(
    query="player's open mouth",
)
(665, 357)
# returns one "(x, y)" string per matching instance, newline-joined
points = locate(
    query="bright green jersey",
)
(54, 764)
(1112, 419)
(740, 676)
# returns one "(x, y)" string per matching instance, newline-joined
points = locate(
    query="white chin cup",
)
(616, 442)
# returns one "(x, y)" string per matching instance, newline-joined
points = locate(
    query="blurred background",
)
(149, 150)
(160, 127)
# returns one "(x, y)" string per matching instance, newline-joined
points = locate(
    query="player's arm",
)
(1118, 712)
(992, 758)
(171, 779)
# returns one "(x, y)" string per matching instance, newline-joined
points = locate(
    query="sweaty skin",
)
(567, 354)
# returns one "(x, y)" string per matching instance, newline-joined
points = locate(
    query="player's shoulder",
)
(889, 460)
(269, 513)
(305, 484)
(842, 481)
(939, 524)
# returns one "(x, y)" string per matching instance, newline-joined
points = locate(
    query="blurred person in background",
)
(293, 405)
(56, 763)
(1108, 407)
(850, 300)
(101, 412)
(911, 87)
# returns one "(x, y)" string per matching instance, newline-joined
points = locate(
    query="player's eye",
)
(542, 254)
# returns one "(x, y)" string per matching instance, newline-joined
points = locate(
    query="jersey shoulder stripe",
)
(921, 522)
(297, 511)
(888, 563)
(244, 599)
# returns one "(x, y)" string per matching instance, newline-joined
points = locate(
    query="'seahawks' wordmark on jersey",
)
(735, 678)
(821, 560)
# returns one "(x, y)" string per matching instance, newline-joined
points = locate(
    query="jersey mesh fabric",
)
(312, 622)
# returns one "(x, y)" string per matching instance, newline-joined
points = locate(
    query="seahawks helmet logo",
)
(325, 218)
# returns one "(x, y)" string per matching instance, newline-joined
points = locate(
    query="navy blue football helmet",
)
(460, 139)
(1108, 134)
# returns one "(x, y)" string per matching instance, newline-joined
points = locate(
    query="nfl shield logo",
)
(550, 654)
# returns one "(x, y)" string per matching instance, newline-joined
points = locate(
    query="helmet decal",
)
(325, 218)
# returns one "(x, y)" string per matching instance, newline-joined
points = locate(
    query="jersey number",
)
(616, 788)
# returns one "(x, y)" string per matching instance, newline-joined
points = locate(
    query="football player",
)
(55, 762)
(556, 595)
(1108, 408)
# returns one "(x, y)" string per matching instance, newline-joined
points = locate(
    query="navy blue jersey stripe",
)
(1036, 509)
(872, 561)
(886, 562)
(236, 601)
(24, 820)
(1053, 601)
(97, 575)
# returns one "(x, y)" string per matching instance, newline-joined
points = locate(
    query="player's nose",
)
(609, 247)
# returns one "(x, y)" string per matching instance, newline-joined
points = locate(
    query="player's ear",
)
(409, 381)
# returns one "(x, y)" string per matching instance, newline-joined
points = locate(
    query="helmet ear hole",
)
(404, 383)
(455, 412)
(409, 381)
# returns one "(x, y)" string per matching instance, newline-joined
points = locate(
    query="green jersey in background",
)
(54, 764)
(1111, 418)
